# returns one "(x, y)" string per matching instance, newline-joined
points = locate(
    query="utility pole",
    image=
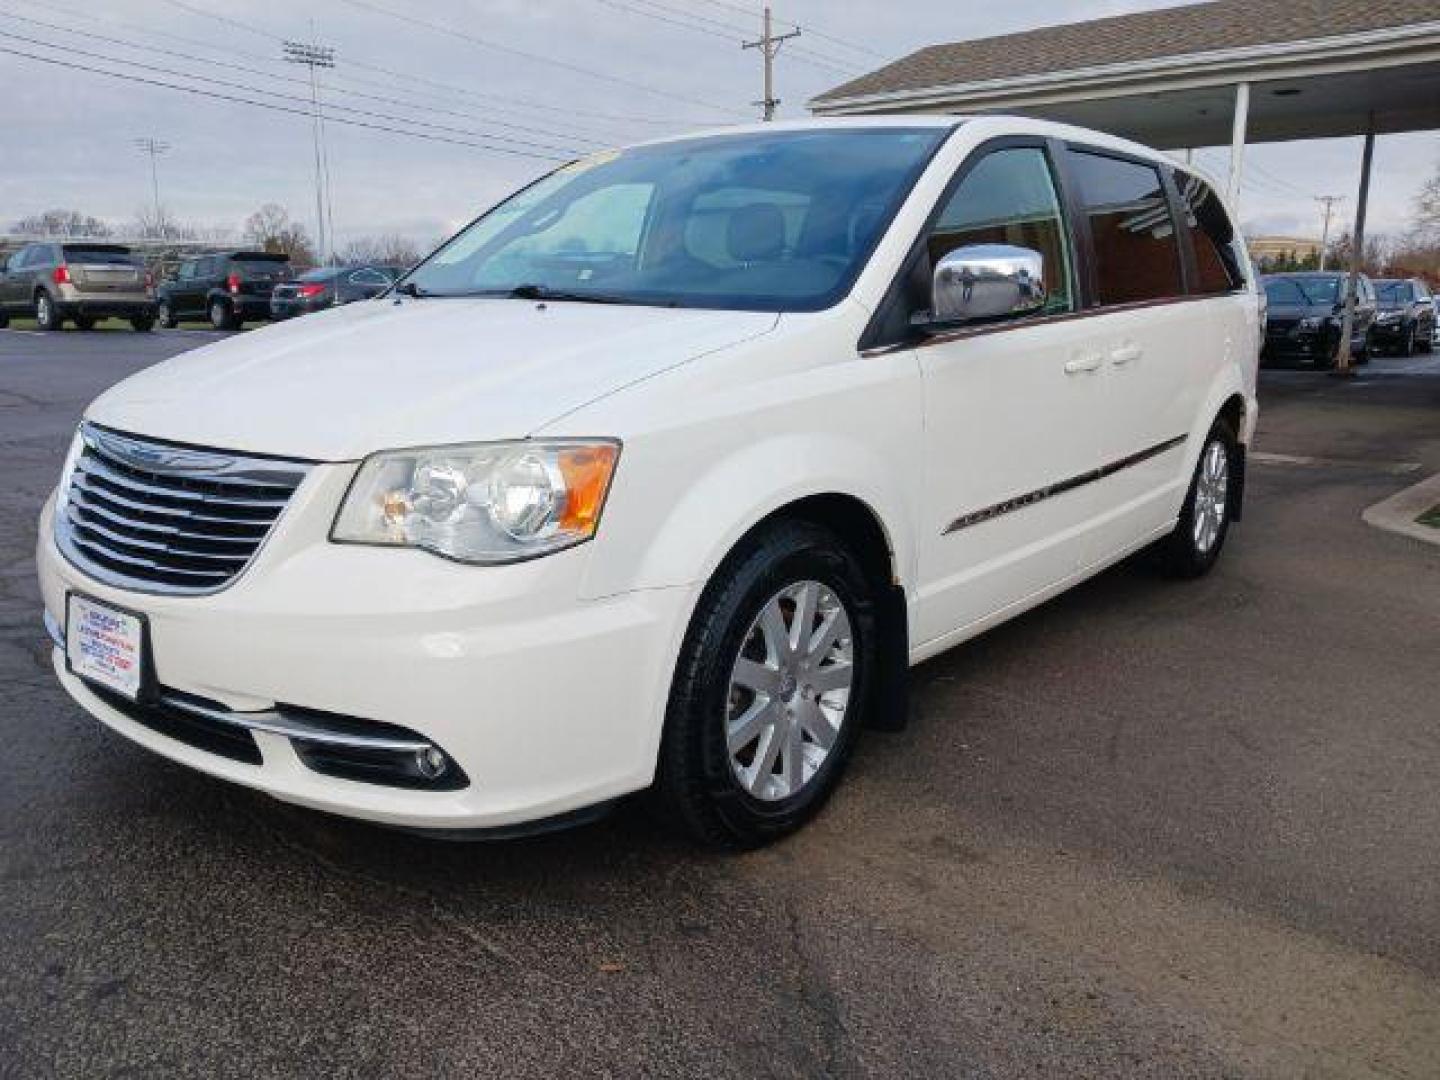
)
(1327, 201)
(769, 45)
(154, 147)
(315, 57)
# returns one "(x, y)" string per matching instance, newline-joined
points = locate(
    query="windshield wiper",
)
(410, 289)
(529, 291)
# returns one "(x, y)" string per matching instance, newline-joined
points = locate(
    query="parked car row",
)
(56, 282)
(1306, 312)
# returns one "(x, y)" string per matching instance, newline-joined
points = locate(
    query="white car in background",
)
(660, 474)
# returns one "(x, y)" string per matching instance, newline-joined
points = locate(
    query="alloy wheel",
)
(1212, 489)
(789, 690)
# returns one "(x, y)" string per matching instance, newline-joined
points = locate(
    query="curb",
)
(1397, 514)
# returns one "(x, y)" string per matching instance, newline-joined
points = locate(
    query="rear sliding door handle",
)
(1083, 362)
(1126, 353)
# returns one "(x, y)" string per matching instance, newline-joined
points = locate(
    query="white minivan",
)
(660, 474)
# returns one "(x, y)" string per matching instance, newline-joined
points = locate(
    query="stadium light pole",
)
(154, 147)
(315, 57)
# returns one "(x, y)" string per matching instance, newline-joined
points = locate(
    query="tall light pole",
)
(1327, 201)
(154, 147)
(769, 44)
(315, 57)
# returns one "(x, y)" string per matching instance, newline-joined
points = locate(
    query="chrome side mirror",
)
(987, 281)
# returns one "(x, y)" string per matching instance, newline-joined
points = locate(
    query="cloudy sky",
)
(500, 88)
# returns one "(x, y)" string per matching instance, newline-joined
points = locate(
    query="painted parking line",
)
(1396, 468)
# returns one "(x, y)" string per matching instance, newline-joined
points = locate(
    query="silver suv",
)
(85, 282)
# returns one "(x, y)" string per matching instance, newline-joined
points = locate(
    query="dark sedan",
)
(330, 286)
(1406, 320)
(1305, 312)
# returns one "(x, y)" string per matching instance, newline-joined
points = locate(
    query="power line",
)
(741, 9)
(451, 32)
(561, 153)
(145, 47)
(273, 107)
(568, 111)
(686, 20)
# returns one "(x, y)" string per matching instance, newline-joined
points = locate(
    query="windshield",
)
(1317, 290)
(1392, 293)
(779, 221)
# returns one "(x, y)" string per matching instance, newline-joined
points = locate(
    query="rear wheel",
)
(85, 322)
(166, 316)
(222, 317)
(770, 689)
(1407, 347)
(4, 318)
(143, 323)
(47, 315)
(1192, 549)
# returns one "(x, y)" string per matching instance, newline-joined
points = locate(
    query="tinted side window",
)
(1136, 254)
(1213, 237)
(1009, 197)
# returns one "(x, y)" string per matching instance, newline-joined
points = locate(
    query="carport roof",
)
(1220, 26)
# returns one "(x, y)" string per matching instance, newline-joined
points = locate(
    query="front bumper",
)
(1390, 333)
(549, 703)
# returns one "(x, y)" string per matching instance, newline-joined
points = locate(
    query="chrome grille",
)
(157, 517)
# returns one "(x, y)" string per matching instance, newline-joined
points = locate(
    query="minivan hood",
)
(381, 374)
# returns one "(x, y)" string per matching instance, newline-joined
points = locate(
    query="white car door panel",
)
(1012, 412)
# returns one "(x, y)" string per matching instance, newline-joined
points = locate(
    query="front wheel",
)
(770, 689)
(1407, 347)
(142, 324)
(166, 316)
(1194, 546)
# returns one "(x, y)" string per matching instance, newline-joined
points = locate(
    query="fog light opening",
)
(431, 762)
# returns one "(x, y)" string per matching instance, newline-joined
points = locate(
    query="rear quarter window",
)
(1213, 238)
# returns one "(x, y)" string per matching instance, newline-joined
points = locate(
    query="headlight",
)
(484, 503)
(1311, 324)
(1388, 317)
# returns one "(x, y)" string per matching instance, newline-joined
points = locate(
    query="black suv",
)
(82, 281)
(1305, 312)
(1406, 319)
(227, 288)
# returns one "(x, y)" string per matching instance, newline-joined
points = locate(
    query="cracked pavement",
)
(1149, 829)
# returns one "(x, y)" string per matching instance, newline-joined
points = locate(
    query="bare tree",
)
(61, 223)
(1425, 217)
(390, 249)
(272, 229)
(151, 223)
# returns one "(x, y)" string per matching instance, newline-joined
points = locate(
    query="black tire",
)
(143, 324)
(222, 315)
(165, 316)
(696, 786)
(1407, 347)
(4, 318)
(1182, 554)
(1427, 343)
(84, 322)
(47, 315)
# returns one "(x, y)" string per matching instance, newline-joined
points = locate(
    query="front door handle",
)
(1089, 361)
(1126, 353)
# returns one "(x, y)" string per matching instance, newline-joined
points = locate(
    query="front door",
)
(1011, 413)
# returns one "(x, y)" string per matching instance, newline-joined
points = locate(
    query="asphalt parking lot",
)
(1150, 829)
